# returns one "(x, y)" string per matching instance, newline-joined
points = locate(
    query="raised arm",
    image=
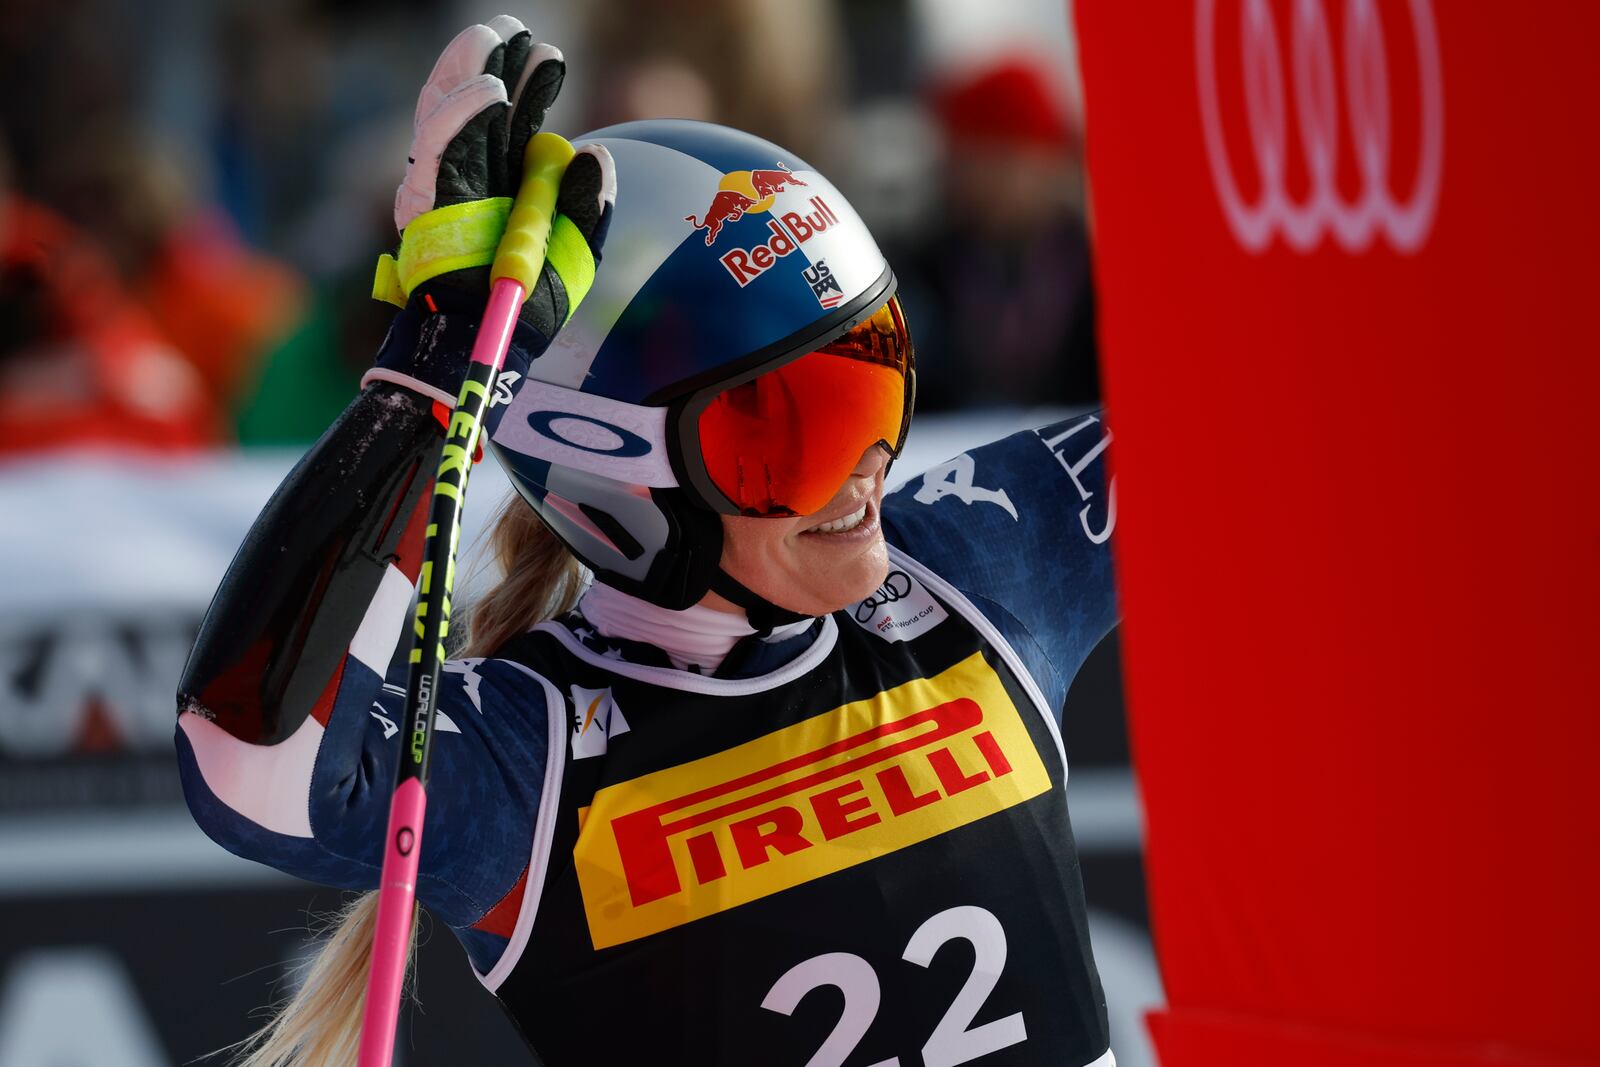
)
(288, 733)
(338, 544)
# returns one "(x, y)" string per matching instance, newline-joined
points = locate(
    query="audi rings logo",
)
(897, 586)
(1314, 80)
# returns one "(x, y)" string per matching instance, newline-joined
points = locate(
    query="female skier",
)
(796, 733)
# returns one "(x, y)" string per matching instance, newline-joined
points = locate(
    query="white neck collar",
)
(696, 635)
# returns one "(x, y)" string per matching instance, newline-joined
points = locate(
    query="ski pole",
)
(517, 264)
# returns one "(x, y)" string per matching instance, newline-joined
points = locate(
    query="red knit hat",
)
(1012, 99)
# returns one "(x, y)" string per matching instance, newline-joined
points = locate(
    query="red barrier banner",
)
(1346, 253)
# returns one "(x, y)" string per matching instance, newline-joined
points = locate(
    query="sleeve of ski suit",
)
(288, 728)
(1022, 527)
(315, 805)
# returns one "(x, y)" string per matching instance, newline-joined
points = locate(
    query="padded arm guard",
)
(273, 642)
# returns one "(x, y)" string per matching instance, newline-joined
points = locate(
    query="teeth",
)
(849, 522)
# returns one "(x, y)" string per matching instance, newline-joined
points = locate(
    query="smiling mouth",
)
(861, 524)
(843, 523)
(858, 527)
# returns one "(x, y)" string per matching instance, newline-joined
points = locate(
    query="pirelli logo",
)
(841, 788)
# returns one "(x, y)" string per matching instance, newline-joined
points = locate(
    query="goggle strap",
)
(611, 438)
(763, 614)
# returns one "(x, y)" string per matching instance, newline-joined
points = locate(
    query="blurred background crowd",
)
(194, 191)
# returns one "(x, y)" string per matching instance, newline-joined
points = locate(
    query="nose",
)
(873, 460)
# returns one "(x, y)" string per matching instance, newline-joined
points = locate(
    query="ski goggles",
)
(786, 438)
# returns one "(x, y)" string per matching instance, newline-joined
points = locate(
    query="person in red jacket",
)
(81, 364)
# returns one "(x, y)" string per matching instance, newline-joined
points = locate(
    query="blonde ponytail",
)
(542, 580)
(320, 1026)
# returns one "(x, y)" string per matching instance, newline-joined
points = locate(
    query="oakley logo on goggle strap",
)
(588, 434)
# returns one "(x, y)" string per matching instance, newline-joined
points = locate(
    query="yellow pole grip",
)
(520, 256)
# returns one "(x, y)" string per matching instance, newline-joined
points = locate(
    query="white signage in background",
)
(1316, 86)
(55, 674)
(74, 1007)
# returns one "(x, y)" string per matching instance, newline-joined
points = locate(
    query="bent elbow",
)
(240, 793)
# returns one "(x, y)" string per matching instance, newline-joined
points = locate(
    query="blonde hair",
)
(541, 580)
(320, 1025)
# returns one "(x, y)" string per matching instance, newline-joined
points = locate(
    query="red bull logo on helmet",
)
(741, 193)
(751, 192)
(787, 232)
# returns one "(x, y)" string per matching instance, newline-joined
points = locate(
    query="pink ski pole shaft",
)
(517, 264)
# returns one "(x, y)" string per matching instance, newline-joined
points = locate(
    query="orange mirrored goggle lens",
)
(785, 442)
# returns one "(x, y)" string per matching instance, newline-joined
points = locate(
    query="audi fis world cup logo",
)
(895, 587)
(1299, 78)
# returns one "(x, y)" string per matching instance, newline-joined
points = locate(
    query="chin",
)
(836, 584)
(814, 574)
(870, 572)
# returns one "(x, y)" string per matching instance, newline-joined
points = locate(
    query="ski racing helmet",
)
(740, 348)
